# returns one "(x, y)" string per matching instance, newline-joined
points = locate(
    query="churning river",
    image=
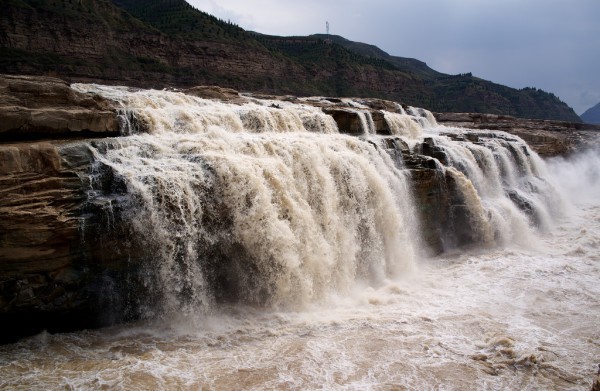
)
(341, 295)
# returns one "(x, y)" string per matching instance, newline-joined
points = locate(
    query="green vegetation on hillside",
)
(410, 65)
(463, 92)
(311, 51)
(154, 43)
(178, 18)
(86, 11)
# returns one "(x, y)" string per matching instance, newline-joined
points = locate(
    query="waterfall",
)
(176, 112)
(509, 180)
(366, 120)
(265, 202)
(370, 123)
(424, 117)
(403, 125)
(254, 204)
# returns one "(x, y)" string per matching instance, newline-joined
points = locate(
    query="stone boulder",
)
(348, 121)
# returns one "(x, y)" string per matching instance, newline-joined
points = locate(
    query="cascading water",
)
(424, 117)
(507, 179)
(366, 120)
(257, 204)
(403, 125)
(293, 241)
(265, 202)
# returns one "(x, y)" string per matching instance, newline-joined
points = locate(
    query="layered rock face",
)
(547, 138)
(42, 272)
(66, 256)
(45, 107)
(42, 268)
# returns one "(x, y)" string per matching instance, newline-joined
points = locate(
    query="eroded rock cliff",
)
(38, 107)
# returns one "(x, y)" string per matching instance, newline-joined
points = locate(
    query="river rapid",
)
(520, 319)
(520, 315)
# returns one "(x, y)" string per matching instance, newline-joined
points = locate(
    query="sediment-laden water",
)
(327, 284)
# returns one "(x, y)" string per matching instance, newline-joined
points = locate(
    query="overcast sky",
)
(549, 44)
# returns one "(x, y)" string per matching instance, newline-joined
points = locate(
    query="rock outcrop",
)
(547, 138)
(42, 277)
(217, 93)
(61, 252)
(38, 107)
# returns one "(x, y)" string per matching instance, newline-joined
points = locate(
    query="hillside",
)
(404, 64)
(592, 115)
(160, 43)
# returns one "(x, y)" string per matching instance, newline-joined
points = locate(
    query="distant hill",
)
(592, 115)
(410, 65)
(160, 43)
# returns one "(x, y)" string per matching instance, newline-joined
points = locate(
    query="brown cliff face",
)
(44, 275)
(39, 195)
(48, 107)
(41, 268)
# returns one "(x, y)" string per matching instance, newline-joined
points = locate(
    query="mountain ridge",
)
(369, 50)
(169, 43)
(592, 115)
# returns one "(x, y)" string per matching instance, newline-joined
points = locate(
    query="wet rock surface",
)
(41, 259)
